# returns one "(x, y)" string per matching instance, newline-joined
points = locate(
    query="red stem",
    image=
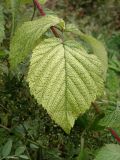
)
(115, 135)
(113, 132)
(39, 7)
(44, 14)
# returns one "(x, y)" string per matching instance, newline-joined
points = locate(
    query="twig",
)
(38, 5)
(1, 126)
(4, 108)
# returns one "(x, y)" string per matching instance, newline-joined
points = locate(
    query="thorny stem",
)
(112, 131)
(44, 14)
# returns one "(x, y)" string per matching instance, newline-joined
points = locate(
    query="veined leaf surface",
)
(96, 46)
(64, 79)
(27, 35)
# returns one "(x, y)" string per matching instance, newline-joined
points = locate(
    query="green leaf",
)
(15, 4)
(42, 1)
(31, 1)
(64, 79)
(26, 1)
(8, 2)
(20, 150)
(96, 46)
(24, 156)
(2, 23)
(7, 148)
(109, 152)
(111, 119)
(83, 155)
(27, 36)
(33, 146)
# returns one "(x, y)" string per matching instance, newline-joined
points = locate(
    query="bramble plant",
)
(62, 76)
(66, 73)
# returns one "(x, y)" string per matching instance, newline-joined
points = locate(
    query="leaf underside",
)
(27, 36)
(64, 79)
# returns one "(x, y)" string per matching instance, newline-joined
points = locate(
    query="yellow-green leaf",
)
(27, 35)
(42, 1)
(64, 79)
(97, 46)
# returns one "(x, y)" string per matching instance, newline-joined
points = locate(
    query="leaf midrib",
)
(66, 101)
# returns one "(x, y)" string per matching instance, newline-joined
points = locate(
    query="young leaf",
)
(64, 79)
(109, 152)
(27, 35)
(7, 148)
(2, 23)
(112, 119)
(96, 46)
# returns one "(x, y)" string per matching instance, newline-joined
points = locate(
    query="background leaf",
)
(7, 148)
(111, 119)
(2, 23)
(109, 152)
(24, 156)
(15, 4)
(42, 1)
(20, 150)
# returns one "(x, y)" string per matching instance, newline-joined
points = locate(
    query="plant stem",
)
(39, 8)
(33, 11)
(113, 132)
(96, 108)
(1, 126)
(38, 5)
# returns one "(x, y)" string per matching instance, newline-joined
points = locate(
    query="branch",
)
(39, 7)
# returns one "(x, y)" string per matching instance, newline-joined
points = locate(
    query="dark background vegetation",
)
(28, 125)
